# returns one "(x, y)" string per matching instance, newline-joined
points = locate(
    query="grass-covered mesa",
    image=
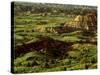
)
(53, 37)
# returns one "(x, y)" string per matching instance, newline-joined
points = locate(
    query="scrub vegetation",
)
(54, 37)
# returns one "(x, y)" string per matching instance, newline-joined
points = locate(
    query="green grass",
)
(77, 58)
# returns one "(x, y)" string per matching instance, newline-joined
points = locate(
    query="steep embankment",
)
(50, 46)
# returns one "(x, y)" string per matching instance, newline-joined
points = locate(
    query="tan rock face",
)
(87, 22)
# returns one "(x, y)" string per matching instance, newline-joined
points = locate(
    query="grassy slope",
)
(38, 62)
